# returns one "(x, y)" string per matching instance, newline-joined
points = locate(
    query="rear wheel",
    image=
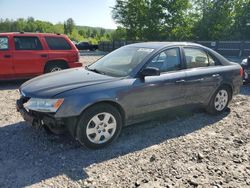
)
(219, 101)
(99, 126)
(54, 67)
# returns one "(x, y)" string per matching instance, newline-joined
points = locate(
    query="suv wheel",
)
(219, 101)
(99, 126)
(54, 68)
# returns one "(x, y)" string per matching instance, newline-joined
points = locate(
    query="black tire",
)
(53, 67)
(85, 122)
(211, 108)
(246, 78)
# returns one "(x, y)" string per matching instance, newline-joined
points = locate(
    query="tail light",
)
(241, 72)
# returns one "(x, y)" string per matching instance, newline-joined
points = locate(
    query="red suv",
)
(25, 55)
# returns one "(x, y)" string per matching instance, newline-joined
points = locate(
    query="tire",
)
(246, 77)
(54, 67)
(220, 100)
(93, 131)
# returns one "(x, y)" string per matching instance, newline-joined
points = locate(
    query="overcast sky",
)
(96, 13)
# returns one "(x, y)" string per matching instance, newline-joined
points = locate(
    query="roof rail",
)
(22, 32)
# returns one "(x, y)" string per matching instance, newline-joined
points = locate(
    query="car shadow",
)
(245, 90)
(11, 85)
(29, 156)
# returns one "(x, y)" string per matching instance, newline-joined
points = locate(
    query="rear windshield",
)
(57, 43)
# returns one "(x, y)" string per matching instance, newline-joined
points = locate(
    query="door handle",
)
(215, 75)
(44, 55)
(7, 56)
(180, 81)
(201, 79)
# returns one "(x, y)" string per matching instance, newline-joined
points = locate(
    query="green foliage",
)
(75, 33)
(182, 19)
(69, 25)
(152, 19)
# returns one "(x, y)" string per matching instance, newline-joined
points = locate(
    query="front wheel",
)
(219, 101)
(99, 126)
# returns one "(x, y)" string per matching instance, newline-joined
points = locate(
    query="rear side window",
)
(196, 58)
(4, 43)
(27, 43)
(57, 43)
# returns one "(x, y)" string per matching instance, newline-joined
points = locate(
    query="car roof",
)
(29, 34)
(159, 45)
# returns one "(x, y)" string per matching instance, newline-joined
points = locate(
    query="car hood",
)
(49, 85)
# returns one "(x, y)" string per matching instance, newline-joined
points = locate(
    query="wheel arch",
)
(223, 84)
(229, 86)
(110, 102)
(56, 61)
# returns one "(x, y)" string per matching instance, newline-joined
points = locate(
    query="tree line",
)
(182, 19)
(75, 33)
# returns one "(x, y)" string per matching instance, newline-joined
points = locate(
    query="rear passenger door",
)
(28, 56)
(202, 76)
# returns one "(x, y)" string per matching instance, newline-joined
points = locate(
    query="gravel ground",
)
(191, 150)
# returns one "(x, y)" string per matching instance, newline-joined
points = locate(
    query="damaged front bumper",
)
(46, 120)
(38, 119)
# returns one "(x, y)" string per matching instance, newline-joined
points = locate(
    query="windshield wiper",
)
(95, 70)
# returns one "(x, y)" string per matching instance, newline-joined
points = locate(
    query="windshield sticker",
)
(145, 50)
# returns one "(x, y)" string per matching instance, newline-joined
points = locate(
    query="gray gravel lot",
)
(190, 149)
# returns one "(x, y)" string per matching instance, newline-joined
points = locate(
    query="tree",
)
(241, 27)
(151, 19)
(69, 25)
(216, 20)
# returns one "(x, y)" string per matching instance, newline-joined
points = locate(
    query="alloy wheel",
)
(221, 100)
(101, 128)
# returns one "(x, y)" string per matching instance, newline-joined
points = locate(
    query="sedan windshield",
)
(120, 62)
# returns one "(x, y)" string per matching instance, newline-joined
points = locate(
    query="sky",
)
(95, 13)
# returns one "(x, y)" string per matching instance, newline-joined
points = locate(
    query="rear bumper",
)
(75, 64)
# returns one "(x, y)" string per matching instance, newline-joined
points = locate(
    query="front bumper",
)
(46, 120)
(37, 118)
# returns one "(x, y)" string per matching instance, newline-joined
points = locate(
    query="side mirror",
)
(150, 71)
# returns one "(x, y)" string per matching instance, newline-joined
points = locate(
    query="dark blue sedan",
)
(123, 87)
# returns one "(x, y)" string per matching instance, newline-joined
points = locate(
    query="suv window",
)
(57, 43)
(168, 60)
(197, 58)
(4, 43)
(27, 43)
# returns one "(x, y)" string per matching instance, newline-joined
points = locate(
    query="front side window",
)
(168, 60)
(4, 43)
(57, 43)
(197, 58)
(121, 62)
(27, 43)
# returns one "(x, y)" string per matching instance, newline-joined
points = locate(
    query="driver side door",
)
(153, 93)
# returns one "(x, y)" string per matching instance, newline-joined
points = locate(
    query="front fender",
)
(75, 105)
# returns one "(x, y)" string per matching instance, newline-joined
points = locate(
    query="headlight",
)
(43, 105)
